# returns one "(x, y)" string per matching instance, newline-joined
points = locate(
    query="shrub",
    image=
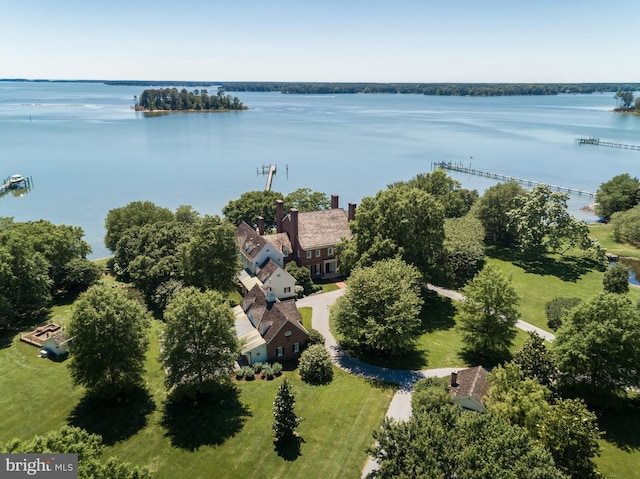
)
(315, 365)
(277, 369)
(257, 367)
(557, 308)
(315, 337)
(430, 393)
(247, 372)
(267, 372)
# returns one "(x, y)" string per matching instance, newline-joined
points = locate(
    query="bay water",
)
(87, 151)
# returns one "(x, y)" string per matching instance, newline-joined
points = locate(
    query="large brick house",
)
(313, 235)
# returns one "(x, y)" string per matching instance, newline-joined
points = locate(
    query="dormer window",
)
(285, 251)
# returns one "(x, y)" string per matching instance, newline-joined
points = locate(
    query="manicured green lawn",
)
(305, 315)
(230, 437)
(603, 233)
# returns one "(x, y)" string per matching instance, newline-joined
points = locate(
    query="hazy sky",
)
(329, 40)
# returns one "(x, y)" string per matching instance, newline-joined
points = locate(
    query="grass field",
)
(231, 437)
(603, 233)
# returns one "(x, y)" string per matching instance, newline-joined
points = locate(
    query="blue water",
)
(87, 151)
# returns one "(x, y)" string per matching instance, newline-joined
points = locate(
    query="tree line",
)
(183, 100)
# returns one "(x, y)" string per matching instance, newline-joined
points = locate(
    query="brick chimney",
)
(261, 225)
(279, 215)
(351, 215)
(334, 202)
(454, 378)
(293, 214)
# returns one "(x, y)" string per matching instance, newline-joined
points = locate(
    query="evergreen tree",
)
(285, 420)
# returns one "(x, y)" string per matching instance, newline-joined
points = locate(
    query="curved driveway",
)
(400, 406)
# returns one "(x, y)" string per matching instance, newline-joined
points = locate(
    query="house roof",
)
(267, 270)
(245, 331)
(279, 241)
(471, 382)
(317, 229)
(247, 280)
(270, 318)
(249, 241)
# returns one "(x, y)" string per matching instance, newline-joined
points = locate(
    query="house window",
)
(285, 252)
(287, 289)
(296, 347)
(308, 254)
(280, 351)
(298, 253)
(330, 251)
(317, 253)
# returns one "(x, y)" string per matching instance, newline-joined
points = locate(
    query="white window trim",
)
(308, 254)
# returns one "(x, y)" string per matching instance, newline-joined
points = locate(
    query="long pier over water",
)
(498, 176)
(610, 144)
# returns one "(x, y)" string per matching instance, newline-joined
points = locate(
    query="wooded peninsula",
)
(169, 99)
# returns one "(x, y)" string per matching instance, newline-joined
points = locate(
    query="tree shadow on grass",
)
(619, 420)
(114, 419)
(289, 450)
(474, 358)
(567, 268)
(205, 421)
(437, 314)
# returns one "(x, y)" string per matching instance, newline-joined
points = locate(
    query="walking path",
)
(400, 406)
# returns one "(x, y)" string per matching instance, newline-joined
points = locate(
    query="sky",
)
(325, 41)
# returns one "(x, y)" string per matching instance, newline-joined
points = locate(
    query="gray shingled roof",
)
(317, 229)
(249, 240)
(279, 241)
(471, 382)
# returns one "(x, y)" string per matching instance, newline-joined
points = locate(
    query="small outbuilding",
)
(469, 387)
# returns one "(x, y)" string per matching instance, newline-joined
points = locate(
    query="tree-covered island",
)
(626, 103)
(170, 99)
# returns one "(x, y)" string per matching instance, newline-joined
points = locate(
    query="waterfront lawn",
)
(603, 233)
(231, 438)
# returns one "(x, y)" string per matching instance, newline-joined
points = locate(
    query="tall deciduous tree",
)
(285, 420)
(400, 221)
(492, 209)
(598, 344)
(200, 344)
(620, 193)
(305, 199)
(535, 360)
(380, 310)
(136, 213)
(209, 259)
(542, 223)
(570, 432)
(110, 338)
(488, 314)
(447, 442)
(250, 205)
(88, 447)
(464, 247)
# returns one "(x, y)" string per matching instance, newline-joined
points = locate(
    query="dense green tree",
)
(570, 432)
(616, 279)
(626, 226)
(380, 310)
(315, 365)
(456, 200)
(303, 278)
(25, 287)
(110, 338)
(315, 337)
(305, 199)
(624, 99)
(542, 223)
(557, 308)
(79, 274)
(492, 209)
(209, 259)
(400, 221)
(598, 344)
(489, 312)
(136, 213)
(447, 442)
(620, 193)
(89, 447)
(430, 393)
(535, 360)
(516, 398)
(464, 246)
(250, 205)
(200, 344)
(285, 420)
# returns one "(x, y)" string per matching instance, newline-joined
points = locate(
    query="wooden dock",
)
(609, 144)
(268, 170)
(498, 176)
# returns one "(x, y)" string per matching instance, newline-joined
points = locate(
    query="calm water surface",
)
(88, 152)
